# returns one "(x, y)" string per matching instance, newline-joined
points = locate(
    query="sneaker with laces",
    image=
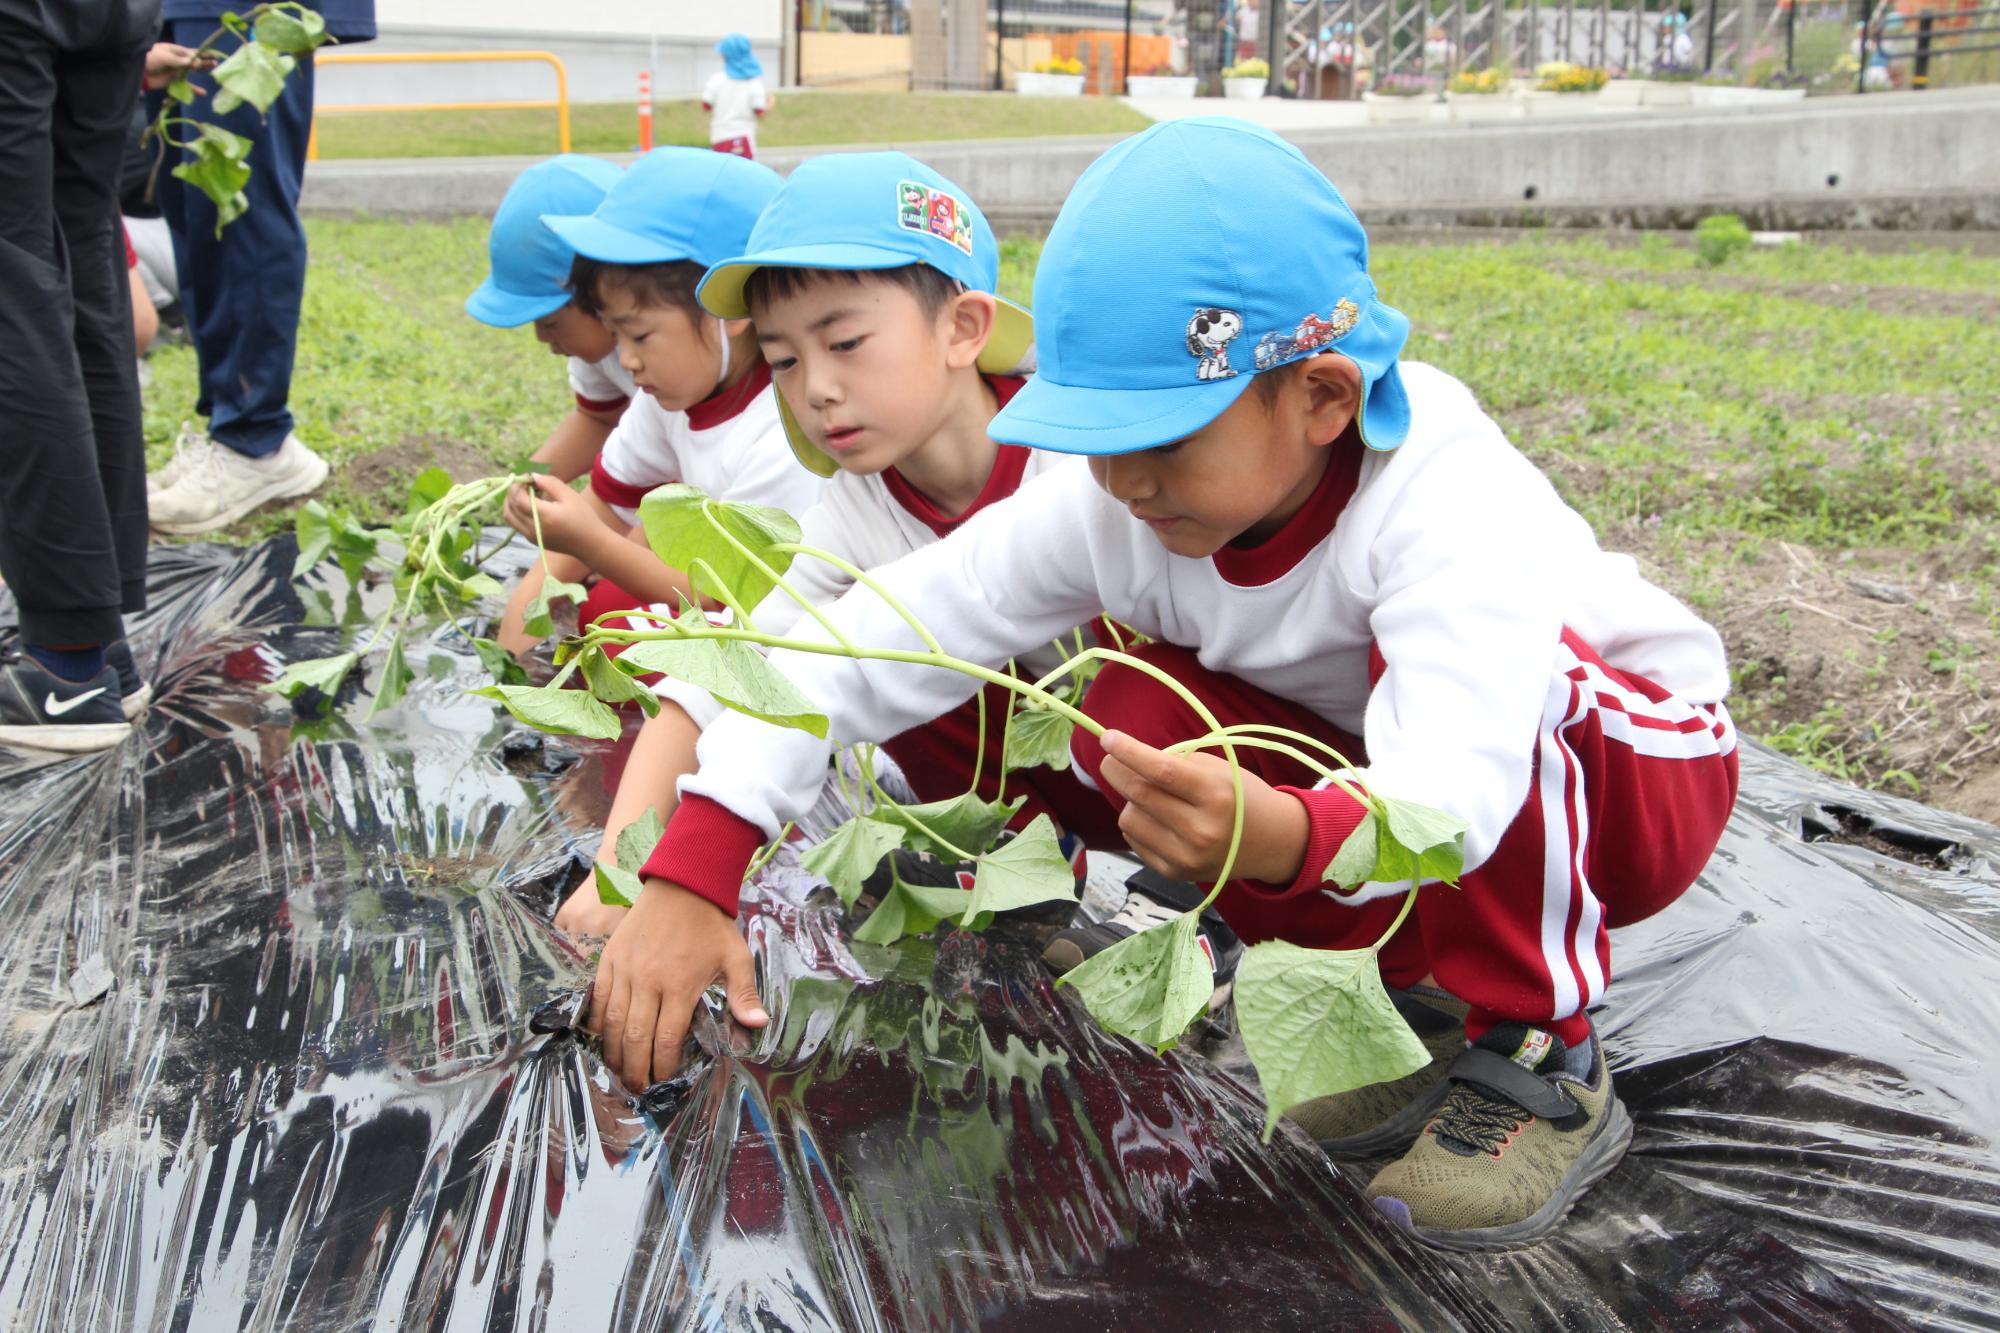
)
(213, 485)
(41, 711)
(186, 439)
(1151, 899)
(1516, 1141)
(134, 694)
(1385, 1117)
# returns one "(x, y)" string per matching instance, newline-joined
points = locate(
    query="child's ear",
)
(1331, 387)
(735, 328)
(967, 322)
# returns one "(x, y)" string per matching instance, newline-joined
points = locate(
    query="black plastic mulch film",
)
(266, 1063)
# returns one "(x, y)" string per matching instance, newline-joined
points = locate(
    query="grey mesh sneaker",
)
(1517, 1140)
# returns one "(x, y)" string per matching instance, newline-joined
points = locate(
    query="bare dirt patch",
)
(390, 469)
(1871, 665)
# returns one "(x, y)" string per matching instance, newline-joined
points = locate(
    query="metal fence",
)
(1339, 48)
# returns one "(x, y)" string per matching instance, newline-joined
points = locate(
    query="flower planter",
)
(1541, 103)
(1387, 109)
(1485, 106)
(1714, 95)
(1662, 92)
(1244, 90)
(1160, 85)
(1030, 84)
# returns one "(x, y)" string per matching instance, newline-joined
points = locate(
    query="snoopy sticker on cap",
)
(1208, 337)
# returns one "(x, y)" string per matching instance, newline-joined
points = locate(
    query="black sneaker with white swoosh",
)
(40, 711)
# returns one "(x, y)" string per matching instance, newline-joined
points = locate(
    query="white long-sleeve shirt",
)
(1454, 557)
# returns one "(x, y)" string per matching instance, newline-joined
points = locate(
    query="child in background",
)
(1316, 536)
(870, 281)
(705, 414)
(735, 98)
(529, 284)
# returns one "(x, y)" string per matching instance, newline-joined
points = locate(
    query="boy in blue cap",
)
(705, 414)
(528, 283)
(870, 283)
(1319, 536)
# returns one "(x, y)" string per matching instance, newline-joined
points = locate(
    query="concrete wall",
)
(604, 44)
(1922, 160)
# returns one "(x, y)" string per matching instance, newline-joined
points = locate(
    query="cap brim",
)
(596, 239)
(721, 291)
(509, 310)
(1007, 349)
(1068, 419)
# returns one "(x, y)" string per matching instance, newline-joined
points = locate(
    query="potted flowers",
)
(1246, 79)
(1401, 97)
(1481, 94)
(1160, 81)
(1558, 85)
(1061, 76)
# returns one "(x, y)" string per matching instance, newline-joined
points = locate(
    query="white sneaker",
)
(213, 485)
(188, 439)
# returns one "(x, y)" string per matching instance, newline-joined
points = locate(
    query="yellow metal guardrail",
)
(560, 104)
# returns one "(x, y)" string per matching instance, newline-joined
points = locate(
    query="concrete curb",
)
(1894, 160)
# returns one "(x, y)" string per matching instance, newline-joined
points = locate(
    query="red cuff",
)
(705, 850)
(618, 494)
(1331, 815)
(617, 404)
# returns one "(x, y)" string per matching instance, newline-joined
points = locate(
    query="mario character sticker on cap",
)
(1208, 337)
(1311, 334)
(920, 208)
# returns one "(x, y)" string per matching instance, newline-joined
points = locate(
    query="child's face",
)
(1245, 473)
(865, 371)
(570, 332)
(670, 356)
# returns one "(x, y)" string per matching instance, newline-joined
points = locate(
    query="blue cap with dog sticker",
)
(1186, 260)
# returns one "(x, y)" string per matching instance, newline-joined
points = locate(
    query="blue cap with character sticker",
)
(871, 211)
(1187, 259)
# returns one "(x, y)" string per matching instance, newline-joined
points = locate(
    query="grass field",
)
(799, 119)
(1802, 444)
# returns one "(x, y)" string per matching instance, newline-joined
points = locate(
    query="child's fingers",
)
(670, 1027)
(636, 1036)
(739, 978)
(1169, 773)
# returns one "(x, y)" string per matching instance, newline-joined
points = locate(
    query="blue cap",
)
(738, 61)
(862, 211)
(673, 203)
(1187, 259)
(530, 265)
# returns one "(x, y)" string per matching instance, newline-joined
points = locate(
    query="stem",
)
(686, 630)
(883, 798)
(1189, 698)
(764, 857)
(1409, 901)
(1245, 729)
(868, 581)
(777, 580)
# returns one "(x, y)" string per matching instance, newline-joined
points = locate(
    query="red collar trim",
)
(724, 404)
(1009, 466)
(1277, 555)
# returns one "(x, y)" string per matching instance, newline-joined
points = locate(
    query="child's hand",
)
(1180, 808)
(568, 524)
(671, 947)
(584, 912)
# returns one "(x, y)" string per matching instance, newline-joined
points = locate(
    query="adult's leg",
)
(241, 292)
(57, 549)
(95, 96)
